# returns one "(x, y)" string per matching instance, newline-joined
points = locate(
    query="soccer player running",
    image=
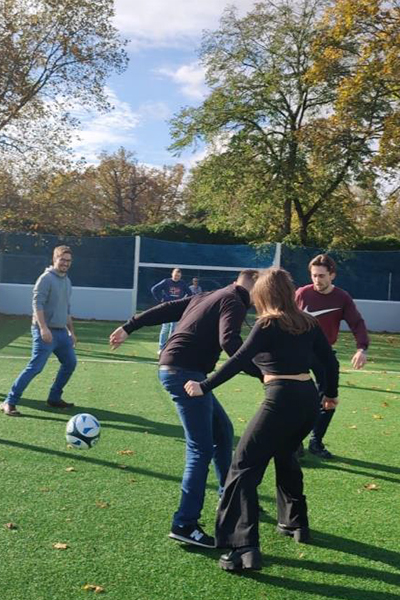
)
(52, 332)
(330, 305)
(208, 323)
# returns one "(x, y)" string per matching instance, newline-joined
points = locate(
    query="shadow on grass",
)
(85, 459)
(336, 464)
(12, 328)
(330, 542)
(108, 418)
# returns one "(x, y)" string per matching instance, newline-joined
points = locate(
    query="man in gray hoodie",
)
(52, 332)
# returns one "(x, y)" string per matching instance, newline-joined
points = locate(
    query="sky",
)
(163, 76)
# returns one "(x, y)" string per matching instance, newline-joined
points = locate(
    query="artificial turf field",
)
(112, 505)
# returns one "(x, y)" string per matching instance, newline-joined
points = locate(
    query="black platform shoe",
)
(247, 557)
(299, 534)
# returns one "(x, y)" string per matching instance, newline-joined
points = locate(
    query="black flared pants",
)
(283, 420)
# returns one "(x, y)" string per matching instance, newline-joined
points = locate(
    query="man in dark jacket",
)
(208, 323)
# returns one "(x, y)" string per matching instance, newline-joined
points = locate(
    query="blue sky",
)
(163, 75)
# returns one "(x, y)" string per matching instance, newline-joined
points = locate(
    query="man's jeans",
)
(209, 437)
(167, 329)
(62, 347)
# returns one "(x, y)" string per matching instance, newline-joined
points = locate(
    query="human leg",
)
(324, 417)
(39, 357)
(164, 335)
(279, 425)
(196, 415)
(291, 501)
(64, 350)
(222, 441)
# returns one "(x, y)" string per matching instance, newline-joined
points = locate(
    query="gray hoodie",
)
(52, 294)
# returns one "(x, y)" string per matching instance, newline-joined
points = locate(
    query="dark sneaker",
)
(299, 534)
(60, 404)
(10, 410)
(192, 534)
(247, 557)
(319, 450)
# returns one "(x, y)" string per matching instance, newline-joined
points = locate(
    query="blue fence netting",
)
(108, 262)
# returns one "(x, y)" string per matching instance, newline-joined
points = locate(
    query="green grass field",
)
(112, 505)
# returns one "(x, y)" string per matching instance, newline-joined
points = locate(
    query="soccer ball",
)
(83, 431)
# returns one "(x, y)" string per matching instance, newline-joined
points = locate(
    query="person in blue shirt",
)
(172, 288)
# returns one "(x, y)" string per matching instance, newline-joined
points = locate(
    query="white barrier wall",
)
(117, 305)
(102, 304)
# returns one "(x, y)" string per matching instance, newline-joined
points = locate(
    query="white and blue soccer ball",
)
(83, 431)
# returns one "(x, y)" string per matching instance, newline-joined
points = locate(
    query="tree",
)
(278, 147)
(132, 193)
(55, 55)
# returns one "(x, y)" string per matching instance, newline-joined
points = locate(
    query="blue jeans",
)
(209, 437)
(167, 329)
(62, 347)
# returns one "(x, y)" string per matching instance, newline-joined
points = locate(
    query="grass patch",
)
(114, 510)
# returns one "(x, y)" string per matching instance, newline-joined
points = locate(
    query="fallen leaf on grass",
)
(132, 480)
(377, 416)
(237, 390)
(241, 420)
(100, 504)
(371, 486)
(122, 466)
(385, 404)
(70, 469)
(45, 489)
(127, 452)
(97, 589)
(353, 427)
(10, 526)
(60, 546)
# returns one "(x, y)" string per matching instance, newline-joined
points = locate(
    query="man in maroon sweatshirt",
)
(330, 305)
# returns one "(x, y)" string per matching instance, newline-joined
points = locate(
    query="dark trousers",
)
(283, 420)
(325, 416)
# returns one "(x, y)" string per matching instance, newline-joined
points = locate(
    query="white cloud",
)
(110, 130)
(155, 111)
(166, 23)
(190, 79)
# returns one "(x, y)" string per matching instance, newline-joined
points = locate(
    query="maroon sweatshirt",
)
(332, 308)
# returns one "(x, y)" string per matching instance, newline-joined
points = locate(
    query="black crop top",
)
(277, 352)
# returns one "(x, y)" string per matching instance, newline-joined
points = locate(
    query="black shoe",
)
(60, 404)
(247, 557)
(192, 534)
(319, 449)
(299, 534)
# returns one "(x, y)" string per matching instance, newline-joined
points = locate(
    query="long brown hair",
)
(273, 296)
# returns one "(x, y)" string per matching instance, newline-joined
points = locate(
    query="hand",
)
(359, 359)
(46, 335)
(117, 338)
(192, 388)
(329, 403)
(74, 338)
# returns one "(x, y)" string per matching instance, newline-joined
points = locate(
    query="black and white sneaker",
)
(192, 534)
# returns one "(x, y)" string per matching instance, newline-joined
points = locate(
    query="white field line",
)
(155, 363)
(93, 360)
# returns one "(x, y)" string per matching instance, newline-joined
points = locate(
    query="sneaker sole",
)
(180, 538)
